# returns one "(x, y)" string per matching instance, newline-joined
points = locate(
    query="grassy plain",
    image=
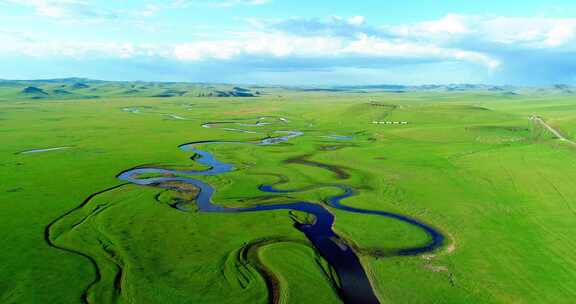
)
(470, 164)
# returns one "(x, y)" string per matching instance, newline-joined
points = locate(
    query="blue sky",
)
(291, 41)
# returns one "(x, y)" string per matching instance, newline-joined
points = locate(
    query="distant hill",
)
(79, 85)
(171, 93)
(61, 92)
(33, 92)
(82, 88)
(237, 92)
(48, 92)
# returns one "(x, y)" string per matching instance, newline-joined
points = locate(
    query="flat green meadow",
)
(499, 186)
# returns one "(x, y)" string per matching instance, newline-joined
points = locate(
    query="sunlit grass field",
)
(499, 186)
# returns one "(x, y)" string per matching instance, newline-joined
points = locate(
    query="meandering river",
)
(355, 286)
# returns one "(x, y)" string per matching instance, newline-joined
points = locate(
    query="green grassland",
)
(471, 164)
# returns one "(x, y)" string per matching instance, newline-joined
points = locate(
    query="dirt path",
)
(554, 131)
(43, 150)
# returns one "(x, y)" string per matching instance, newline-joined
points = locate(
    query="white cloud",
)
(22, 44)
(259, 44)
(451, 24)
(491, 44)
(252, 44)
(335, 26)
(525, 32)
(561, 34)
(282, 45)
(366, 45)
(356, 20)
(65, 9)
(221, 50)
(82, 11)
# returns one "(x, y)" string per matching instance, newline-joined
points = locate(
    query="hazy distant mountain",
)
(81, 88)
(33, 92)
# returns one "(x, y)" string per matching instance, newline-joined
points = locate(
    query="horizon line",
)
(291, 85)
